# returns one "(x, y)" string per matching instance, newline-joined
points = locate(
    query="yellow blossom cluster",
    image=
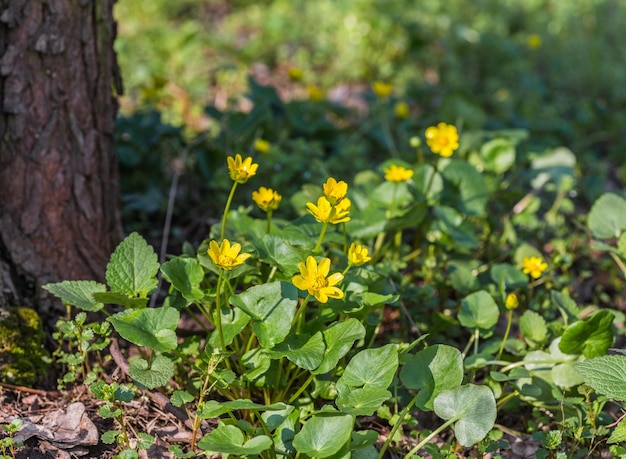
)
(334, 206)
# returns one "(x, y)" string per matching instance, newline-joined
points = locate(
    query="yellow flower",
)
(357, 255)
(316, 93)
(262, 146)
(241, 170)
(382, 89)
(315, 280)
(325, 212)
(226, 256)
(442, 139)
(335, 191)
(534, 266)
(511, 301)
(401, 110)
(295, 74)
(267, 199)
(395, 173)
(534, 41)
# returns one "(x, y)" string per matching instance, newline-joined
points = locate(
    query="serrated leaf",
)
(479, 310)
(109, 437)
(185, 275)
(153, 327)
(591, 337)
(145, 441)
(473, 409)
(607, 217)
(180, 397)
(431, 371)
(606, 374)
(619, 434)
(78, 293)
(133, 267)
(324, 434)
(106, 412)
(121, 299)
(228, 439)
(158, 373)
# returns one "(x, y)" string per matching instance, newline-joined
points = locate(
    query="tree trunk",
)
(59, 209)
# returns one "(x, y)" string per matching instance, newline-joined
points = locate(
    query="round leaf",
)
(479, 310)
(324, 434)
(607, 218)
(473, 409)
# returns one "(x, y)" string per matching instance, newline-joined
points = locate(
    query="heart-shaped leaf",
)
(431, 371)
(607, 218)
(272, 308)
(150, 375)
(324, 434)
(471, 408)
(185, 274)
(339, 339)
(479, 310)
(153, 327)
(228, 439)
(591, 337)
(371, 368)
(306, 352)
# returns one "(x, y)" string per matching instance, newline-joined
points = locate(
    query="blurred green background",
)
(554, 68)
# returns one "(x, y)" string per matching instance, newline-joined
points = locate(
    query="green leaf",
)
(153, 328)
(479, 310)
(362, 401)
(106, 412)
(306, 352)
(471, 198)
(606, 374)
(121, 299)
(233, 322)
(180, 397)
(508, 276)
(431, 371)
(324, 434)
(619, 434)
(473, 409)
(275, 251)
(371, 368)
(145, 441)
(272, 308)
(498, 154)
(228, 439)
(607, 217)
(244, 404)
(133, 267)
(155, 374)
(109, 437)
(339, 339)
(556, 166)
(534, 328)
(568, 307)
(185, 274)
(463, 278)
(78, 293)
(591, 337)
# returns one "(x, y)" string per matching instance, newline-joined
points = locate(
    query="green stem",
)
(306, 383)
(397, 425)
(321, 238)
(433, 434)
(345, 238)
(218, 307)
(297, 319)
(506, 334)
(228, 203)
(269, 222)
(431, 179)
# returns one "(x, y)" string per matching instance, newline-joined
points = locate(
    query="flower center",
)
(319, 283)
(225, 260)
(443, 140)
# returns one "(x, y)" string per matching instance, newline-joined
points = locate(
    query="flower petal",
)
(324, 267)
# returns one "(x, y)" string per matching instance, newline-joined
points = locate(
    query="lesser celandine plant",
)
(290, 362)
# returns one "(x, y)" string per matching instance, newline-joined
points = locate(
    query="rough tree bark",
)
(59, 210)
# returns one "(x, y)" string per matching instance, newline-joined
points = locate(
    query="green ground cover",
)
(401, 227)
